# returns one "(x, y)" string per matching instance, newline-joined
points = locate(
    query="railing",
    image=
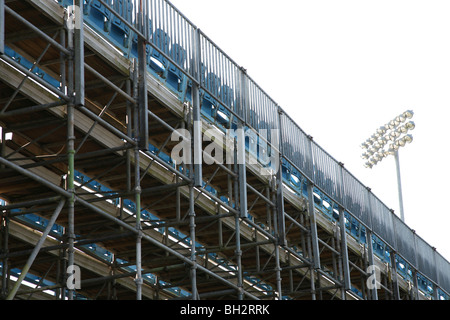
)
(229, 95)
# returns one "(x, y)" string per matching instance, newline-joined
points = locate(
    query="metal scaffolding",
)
(89, 189)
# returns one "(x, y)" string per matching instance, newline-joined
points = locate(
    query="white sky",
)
(341, 69)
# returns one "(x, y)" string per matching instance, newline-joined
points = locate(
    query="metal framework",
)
(93, 97)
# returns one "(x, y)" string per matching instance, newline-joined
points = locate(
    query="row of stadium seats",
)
(105, 23)
(30, 66)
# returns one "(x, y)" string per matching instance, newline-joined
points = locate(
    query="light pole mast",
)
(399, 184)
(392, 135)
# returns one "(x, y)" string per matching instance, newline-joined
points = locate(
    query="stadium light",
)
(387, 140)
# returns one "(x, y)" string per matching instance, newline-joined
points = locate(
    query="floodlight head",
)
(368, 165)
(410, 125)
(390, 151)
(382, 141)
(402, 129)
(373, 161)
(408, 114)
(400, 118)
(408, 138)
(400, 143)
(374, 137)
(393, 147)
(393, 124)
(381, 130)
(371, 151)
(379, 156)
(395, 134)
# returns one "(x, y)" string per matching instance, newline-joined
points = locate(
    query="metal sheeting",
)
(262, 111)
(425, 258)
(327, 173)
(443, 270)
(172, 33)
(382, 223)
(295, 144)
(405, 241)
(219, 74)
(355, 196)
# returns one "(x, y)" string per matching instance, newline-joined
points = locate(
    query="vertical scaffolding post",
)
(237, 195)
(344, 247)
(374, 293)
(2, 26)
(196, 181)
(138, 279)
(197, 129)
(79, 53)
(241, 183)
(137, 177)
(141, 134)
(312, 216)
(313, 226)
(279, 188)
(192, 236)
(344, 252)
(370, 245)
(4, 233)
(281, 239)
(74, 83)
(241, 150)
(142, 83)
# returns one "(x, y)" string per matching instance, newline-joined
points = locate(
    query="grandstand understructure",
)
(94, 98)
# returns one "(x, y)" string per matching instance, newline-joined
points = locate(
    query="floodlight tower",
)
(386, 141)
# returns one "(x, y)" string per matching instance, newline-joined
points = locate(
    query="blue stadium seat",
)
(354, 228)
(263, 147)
(188, 94)
(251, 142)
(176, 79)
(130, 205)
(223, 117)
(212, 83)
(208, 107)
(348, 221)
(119, 31)
(28, 65)
(296, 179)
(98, 16)
(227, 96)
(286, 171)
(133, 50)
(209, 188)
(45, 76)
(158, 63)
(362, 236)
(163, 156)
(66, 3)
